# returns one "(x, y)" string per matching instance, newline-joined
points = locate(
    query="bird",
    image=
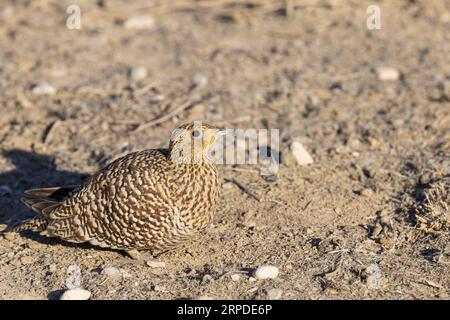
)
(150, 200)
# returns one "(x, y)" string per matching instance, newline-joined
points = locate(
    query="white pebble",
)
(114, 272)
(373, 276)
(43, 88)
(266, 272)
(387, 73)
(73, 279)
(207, 279)
(52, 268)
(200, 80)
(139, 22)
(76, 294)
(235, 277)
(274, 294)
(138, 73)
(155, 263)
(300, 154)
(159, 288)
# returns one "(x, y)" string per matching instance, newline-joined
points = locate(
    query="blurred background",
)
(84, 82)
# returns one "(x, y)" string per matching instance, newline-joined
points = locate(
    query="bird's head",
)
(191, 142)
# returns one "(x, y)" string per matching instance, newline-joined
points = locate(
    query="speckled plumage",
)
(147, 200)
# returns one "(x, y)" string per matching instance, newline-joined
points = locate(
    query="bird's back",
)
(140, 201)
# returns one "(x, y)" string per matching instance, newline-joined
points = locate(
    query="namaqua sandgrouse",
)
(147, 200)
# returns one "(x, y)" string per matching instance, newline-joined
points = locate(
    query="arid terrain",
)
(368, 219)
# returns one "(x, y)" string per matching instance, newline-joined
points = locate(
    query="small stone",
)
(158, 288)
(3, 227)
(139, 22)
(73, 279)
(228, 185)
(330, 291)
(266, 272)
(43, 88)
(10, 236)
(76, 294)
(207, 279)
(387, 73)
(138, 73)
(367, 193)
(114, 272)
(251, 279)
(52, 268)
(274, 294)
(157, 98)
(200, 80)
(373, 273)
(251, 290)
(27, 260)
(300, 154)
(251, 224)
(155, 263)
(235, 277)
(425, 178)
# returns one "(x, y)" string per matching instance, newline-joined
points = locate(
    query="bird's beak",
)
(221, 132)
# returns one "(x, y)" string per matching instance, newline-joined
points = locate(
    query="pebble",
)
(159, 288)
(425, 178)
(207, 279)
(3, 227)
(138, 73)
(387, 73)
(266, 272)
(114, 272)
(373, 276)
(274, 294)
(367, 192)
(73, 279)
(157, 98)
(250, 224)
(76, 294)
(10, 236)
(52, 268)
(235, 277)
(27, 260)
(200, 80)
(139, 22)
(43, 88)
(155, 263)
(300, 154)
(228, 185)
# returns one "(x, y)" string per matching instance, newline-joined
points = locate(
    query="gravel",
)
(266, 272)
(274, 294)
(76, 294)
(43, 88)
(387, 73)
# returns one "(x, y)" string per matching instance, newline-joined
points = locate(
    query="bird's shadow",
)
(30, 171)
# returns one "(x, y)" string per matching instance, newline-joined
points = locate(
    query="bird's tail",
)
(42, 201)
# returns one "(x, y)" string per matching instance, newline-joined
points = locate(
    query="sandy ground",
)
(375, 198)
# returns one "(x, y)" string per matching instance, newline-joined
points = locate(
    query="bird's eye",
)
(196, 133)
